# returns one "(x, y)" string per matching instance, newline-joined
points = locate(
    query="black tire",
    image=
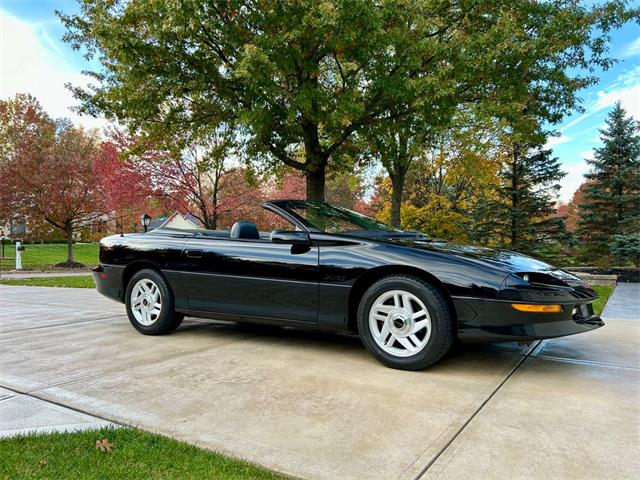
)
(167, 320)
(442, 334)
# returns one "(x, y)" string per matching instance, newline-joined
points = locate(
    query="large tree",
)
(303, 78)
(609, 215)
(446, 182)
(397, 145)
(540, 55)
(193, 175)
(126, 189)
(519, 214)
(48, 169)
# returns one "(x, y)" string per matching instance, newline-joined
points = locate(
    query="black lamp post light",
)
(145, 219)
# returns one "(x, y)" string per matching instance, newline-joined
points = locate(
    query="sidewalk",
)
(624, 304)
(17, 274)
(22, 414)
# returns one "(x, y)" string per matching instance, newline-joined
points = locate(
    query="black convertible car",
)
(408, 296)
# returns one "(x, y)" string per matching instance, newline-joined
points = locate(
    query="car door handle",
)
(194, 253)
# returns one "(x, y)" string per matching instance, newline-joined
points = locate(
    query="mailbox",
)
(19, 250)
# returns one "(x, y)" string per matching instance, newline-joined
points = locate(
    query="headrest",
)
(244, 229)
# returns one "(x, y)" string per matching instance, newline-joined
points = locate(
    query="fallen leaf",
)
(103, 445)
(42, 462)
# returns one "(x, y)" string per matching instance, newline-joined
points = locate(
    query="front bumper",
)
(481, 320)
(108, 280)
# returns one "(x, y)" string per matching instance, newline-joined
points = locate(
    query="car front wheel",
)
(149, 303)
(405, 322)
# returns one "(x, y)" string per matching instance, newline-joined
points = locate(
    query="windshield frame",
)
(286, 208)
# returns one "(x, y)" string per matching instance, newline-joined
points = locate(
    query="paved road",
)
(318, 406)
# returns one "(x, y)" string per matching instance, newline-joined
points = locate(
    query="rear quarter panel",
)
(133, 252)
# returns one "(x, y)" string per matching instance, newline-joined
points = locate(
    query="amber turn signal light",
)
(524, 307)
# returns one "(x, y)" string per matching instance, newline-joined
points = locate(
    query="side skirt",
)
(248, 319)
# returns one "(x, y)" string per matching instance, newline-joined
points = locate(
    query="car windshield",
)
(326, 218)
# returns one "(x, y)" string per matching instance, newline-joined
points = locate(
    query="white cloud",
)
(31, 62)
(628, 96)
(575, 176)
(586, 155)
(626, 88)
(555, 141)
(632, 49)
(627, 78)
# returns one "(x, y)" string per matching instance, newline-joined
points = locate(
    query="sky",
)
(35, 60)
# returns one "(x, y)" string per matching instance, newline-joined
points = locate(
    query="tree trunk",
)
(315, 184)
(69, 232)
(514, 200)
(397, 188)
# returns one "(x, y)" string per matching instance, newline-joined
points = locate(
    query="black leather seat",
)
(244, 229)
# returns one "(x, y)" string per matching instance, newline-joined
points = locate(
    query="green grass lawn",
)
(604, 292)
(45, 256)
(75, 281)
(135, 455)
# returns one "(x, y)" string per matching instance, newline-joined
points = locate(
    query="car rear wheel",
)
(149, 302)
(405, 322)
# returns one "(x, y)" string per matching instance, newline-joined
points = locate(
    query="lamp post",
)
(2, 243)
(145, 219)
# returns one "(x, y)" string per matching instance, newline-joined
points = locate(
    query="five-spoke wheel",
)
(150, 305)
(146, 302)
(405, 322)
(400, 323)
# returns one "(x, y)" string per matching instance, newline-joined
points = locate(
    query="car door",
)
(255, 279)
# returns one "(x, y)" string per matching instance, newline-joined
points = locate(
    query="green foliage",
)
(519, 214)
(604, 292)
(611, 198)
(301, 80)
(436, 218)
(69, 281)
(445, 183)
(135, 455)
(627, 247)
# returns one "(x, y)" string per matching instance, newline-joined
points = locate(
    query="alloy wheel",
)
(146, 302)
(400, 323)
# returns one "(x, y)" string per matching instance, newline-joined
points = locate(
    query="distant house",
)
(177, 220)
(14, 228)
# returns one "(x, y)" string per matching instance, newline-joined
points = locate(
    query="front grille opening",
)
(537, 278)
(582, 312)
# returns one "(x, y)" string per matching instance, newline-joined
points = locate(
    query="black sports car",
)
(408, 296)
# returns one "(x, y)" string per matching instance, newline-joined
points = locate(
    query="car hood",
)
(508, 261)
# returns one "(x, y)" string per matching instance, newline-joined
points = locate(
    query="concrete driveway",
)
(318, 406)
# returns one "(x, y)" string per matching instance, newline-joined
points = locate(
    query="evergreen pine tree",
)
(609, 217)
(519, 215)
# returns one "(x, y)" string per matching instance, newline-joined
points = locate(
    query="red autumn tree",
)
(570, 210)
(193, 176)
(47, 170)
(126, 189)
(291, 186)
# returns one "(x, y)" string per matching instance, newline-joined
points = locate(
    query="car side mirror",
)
(290, 237)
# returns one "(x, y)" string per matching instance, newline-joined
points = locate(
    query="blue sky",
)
(34, 59)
